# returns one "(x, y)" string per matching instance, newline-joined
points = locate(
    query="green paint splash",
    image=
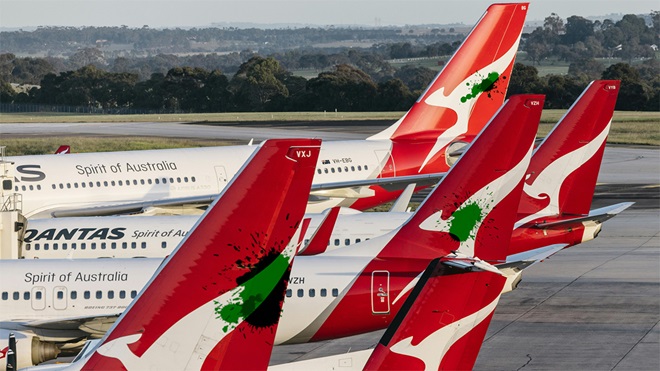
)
(485, 84)
(464, 221)
(251, 294)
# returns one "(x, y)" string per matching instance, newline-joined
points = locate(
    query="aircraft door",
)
(221, 176)
(38, 296)
(60, 297)
(380, 292)
(384, 164)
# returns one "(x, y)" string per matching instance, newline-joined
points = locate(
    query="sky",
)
(200, 13)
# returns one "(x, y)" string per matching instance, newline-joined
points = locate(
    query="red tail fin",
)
(64, 149)
(442, 324)
(226, 276)
(453, 105)
(562, 173)
(472, 204)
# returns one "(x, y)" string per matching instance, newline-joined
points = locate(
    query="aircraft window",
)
(301, 292)
(73, 246)
(60, 295)
(149, 181)
(99, 294)
(347, 241)
(83, 184)
(16, 188)
(339, 169)
(156, 181)
(98, 184)
(105, 183)
(26, 295)
(164, 180)
(31, 188)
(359, 168)
(86, 294)
(318, 171)
(111, 294)
(122, 294)
(124, 245)
(5, 295)
(75, 185)
(133, 245)
(171, 180)
(54, 187)
(93, 245)
(185, 179)
(83, 246)
(23, 188)
(332, 170)
(357, 240)
(337, 242)
(335, 292)
(36, 246)
(142, 181)
(64, 246)
(46, 246)
(119, 182)
(68, 185)
(61, 186)
(325, 170)
(312, 293)
(289, 293)
(39, 187)
(346, 169)
(112, 183)
(74, 295)
(133, 294)
(324, 293)
(365, 167)
(352, 168)
(103, 245)
(144, 245)
(27, 247)
(37, 295)
(192, 179)
(16, 295)
(113, 245)
(178, 180)
(55, 246)
(163, 244)
(91, 184)
(134, 181)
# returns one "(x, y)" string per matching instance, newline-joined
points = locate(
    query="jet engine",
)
(30, 350)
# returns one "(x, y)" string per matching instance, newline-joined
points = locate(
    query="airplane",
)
(453, 109)
(566, 163)
(324, 288)
(247, 259)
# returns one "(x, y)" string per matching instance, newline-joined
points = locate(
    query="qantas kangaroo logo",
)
(464, 223)
(432, 349)
(463, 98)
(547, 185)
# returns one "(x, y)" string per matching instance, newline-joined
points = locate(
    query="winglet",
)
(474, 206)
(319, 241)
(443, 322)
(564, 168)
(220, 292)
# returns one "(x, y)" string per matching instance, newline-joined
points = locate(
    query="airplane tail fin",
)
(62, 150)
(224, 284)
(564, 168)
(473, 207)
(443, 322)
(472, 85)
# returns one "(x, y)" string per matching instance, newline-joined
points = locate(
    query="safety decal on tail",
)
(546, 186)
(432, 349)
(463, 98)
(464, 223)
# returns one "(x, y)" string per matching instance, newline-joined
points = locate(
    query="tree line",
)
(263, 84)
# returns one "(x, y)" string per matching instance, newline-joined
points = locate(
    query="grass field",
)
(627, 128)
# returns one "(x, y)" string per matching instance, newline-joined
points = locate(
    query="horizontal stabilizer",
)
(596, 216)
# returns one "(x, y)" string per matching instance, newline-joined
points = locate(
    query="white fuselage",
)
(51, 183)
(157, 236)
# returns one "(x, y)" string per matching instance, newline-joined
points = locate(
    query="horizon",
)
(32, 14)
